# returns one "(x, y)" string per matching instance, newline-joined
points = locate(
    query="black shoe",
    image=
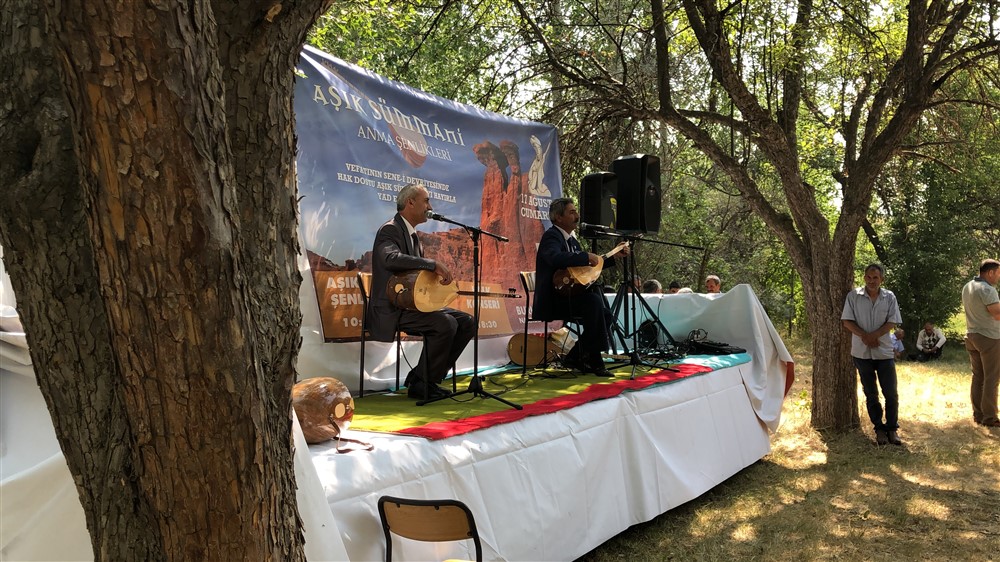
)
(571, 361)
(422, 391)
(601, 372)
(881, 438)
(893, 438)
(595, 366)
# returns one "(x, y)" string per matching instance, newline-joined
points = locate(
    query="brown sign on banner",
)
(341, 306)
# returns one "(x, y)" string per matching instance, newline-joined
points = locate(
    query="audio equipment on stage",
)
(638, 192)
(599, 199)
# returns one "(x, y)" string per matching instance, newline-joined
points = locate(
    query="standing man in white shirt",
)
(870, 313)
(982, 318)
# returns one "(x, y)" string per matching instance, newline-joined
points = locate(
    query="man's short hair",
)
(988, 265)
(651, 286)
(408, 192)
(876, 266)
(674, 285)
(714, 278)
(558, 207)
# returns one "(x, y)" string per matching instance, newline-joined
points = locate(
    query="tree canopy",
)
(804, 110)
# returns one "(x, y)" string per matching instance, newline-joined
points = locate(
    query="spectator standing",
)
(930, 340)
(982, 318)
(870, 313)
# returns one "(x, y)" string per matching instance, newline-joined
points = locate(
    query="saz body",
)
(420, 289)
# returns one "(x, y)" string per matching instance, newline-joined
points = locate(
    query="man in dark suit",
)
(446, 332)
(557, 250)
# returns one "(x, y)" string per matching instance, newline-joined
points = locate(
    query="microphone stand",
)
(476, 382)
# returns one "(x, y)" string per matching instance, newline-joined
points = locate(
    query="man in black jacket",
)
(557, 250)
(446, 332)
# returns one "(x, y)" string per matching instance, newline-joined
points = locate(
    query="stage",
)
(547, 487)
(553, 487)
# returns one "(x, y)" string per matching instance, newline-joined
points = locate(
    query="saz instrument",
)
(420, 289)
(573, 280)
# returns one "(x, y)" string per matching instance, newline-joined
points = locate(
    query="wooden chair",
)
(427, 520)
(528, 284)
(365, 285)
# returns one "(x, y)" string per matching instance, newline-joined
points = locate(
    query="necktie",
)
(416, 245)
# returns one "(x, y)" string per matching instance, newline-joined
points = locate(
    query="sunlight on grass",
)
(928, 508)
(744, 533)
(871, 479)
(841, 497)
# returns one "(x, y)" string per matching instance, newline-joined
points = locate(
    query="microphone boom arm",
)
(434, 216)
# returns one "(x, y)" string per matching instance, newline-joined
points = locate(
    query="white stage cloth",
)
(554, 487)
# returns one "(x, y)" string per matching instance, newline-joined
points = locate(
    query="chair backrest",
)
(528, 281)
(427, 520)
(365, 285)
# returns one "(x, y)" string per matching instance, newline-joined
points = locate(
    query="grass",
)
(840, 497)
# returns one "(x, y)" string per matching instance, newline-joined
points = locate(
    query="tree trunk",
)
(834, 384)
(50, 258)
(159, 285)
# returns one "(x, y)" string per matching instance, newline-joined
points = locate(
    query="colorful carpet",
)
(540, 393)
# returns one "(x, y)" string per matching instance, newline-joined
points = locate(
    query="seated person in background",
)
(557, 250)
(446, 332)
(652, 286)
(713, 284)
(930, 340)
(674, 288)
(898, 349)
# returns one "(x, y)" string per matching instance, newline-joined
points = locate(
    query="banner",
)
(362, 137)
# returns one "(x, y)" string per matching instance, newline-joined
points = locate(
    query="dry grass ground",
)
(840, 497)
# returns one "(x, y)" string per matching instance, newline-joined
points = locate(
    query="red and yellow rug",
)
(540, 393)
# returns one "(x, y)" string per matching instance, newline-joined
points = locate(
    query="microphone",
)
(595, 227)
(442, 218)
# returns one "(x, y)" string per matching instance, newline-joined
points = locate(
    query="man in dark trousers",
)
(557, 250)
(446, 332)
(870, 313)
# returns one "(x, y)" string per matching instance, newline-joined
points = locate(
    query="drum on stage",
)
(539, 350)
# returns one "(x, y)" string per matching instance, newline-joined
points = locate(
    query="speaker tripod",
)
(627, 291)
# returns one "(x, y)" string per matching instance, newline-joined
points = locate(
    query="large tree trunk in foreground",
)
(158, 285)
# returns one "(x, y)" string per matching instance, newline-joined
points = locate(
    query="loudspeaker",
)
(638, 192)
(599, 199)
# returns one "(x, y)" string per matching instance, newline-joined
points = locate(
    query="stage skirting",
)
(553, 487)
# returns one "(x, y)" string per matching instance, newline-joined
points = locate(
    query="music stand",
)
(476, 382)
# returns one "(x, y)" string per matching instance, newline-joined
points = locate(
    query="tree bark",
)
(50, 258)
(158, 282)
